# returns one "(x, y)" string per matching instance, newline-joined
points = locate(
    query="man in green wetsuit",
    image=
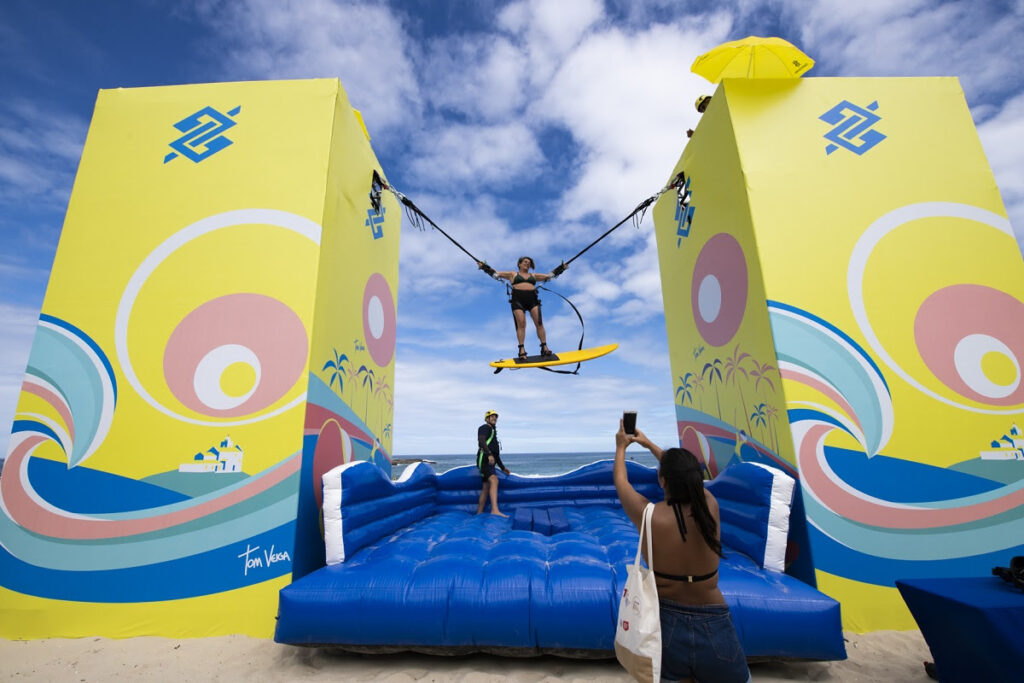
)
(488, 459)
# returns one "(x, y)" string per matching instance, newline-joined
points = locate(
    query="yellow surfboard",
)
(564, 358)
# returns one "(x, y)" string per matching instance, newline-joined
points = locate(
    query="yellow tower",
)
(218, 328)
(845, 299)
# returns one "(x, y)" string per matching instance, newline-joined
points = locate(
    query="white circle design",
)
(375, 316)
(709, 298)
(281, 219)
(210, 369)
(967, 360)
(859, 260)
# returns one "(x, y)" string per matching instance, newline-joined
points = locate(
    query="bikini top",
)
(689, 578)
(519, 278)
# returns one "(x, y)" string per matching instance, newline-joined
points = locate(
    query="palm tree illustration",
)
(382, 393)
(760, 374)
(713, 371)
(698, 384)
(733, 369)
(760, 416)
(684, 390)
(772, 413)
(350, 371)
(368, 376)
(337, 371)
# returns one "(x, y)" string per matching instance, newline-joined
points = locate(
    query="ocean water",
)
(522, 463)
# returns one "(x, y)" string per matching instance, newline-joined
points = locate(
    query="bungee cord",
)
(414, 213)
(417, 218)
(678, 183)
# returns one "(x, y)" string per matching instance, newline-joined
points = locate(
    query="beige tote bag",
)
(638, 632)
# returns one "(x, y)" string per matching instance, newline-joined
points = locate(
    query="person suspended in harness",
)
(488, 460)
(524, 298)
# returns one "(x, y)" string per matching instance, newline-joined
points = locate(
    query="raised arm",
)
(544, 277)
(632, 501)
(642, 439)
(506, 274)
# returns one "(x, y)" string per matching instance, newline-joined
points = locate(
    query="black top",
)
(487, 441)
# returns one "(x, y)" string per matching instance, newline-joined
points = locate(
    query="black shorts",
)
(524, 299)
(486, 471)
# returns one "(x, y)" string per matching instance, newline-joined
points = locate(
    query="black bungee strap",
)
(417, 218)
(413, 212)
(677, 183)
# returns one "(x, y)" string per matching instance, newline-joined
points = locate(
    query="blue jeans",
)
(700, 642)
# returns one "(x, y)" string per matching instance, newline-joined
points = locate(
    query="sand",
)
(874, 657)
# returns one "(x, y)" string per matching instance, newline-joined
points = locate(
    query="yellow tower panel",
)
(154, 468)
(848, 234)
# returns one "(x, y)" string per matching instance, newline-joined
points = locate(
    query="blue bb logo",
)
(852, 127)
(203, 134)
(375, 222)
(684, 214)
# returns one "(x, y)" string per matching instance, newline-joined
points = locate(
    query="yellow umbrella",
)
(752, 57)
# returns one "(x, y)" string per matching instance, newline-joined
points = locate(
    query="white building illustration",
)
(221, 459)
(1008, 447)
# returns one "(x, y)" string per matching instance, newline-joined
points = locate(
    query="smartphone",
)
(629, 421)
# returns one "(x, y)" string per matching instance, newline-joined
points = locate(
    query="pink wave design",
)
(56, 401)
(36, 516)
(823, 484)
(810, 380)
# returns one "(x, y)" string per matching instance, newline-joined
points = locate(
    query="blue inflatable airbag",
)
(411, 566)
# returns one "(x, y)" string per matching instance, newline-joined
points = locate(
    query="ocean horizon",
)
(544, 464)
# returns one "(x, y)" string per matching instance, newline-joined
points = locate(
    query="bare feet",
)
(500, 514)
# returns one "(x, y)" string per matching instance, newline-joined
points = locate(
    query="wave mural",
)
(948, 524)
(52, 549)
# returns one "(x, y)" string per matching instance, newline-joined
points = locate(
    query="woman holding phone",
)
(698, 639)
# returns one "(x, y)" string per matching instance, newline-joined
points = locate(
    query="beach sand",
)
(874, 657)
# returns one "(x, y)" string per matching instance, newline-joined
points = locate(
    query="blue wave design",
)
(248, 518)
(823, 354)
(204, 573)
(58, 359)
(834, 330)
(78, 332)
(62, 487)
(36, 427)
(835, 558)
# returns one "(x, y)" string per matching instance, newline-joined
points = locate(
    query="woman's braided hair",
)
(684, 483)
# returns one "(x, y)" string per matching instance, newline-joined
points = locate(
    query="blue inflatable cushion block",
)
(456, 579)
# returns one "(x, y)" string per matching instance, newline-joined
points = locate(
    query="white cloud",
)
(39, 150)
(549, 30)
(475, 155)
(363, 44)
(482, 75)
(977, 41)
(1001, 136)
(627, 99)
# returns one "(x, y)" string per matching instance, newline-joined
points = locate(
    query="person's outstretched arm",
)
(631, 499)
(642, 439)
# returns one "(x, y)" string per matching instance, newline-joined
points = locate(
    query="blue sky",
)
(524, 127)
